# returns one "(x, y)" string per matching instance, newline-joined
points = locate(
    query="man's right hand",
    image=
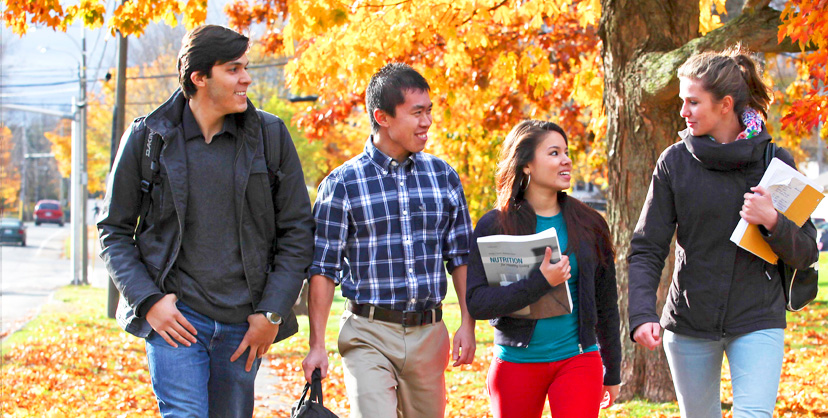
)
(317, 359)
(648, 335)
(169, 323)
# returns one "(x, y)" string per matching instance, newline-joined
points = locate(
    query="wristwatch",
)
(273, 318)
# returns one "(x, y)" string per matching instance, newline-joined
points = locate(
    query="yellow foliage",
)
(98, 131)
(707, 20)
(490, 64)
(9, 174)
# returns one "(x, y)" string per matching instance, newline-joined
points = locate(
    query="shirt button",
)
(393, 163)
(411, 270)
(520, 344)
(413, 300)
(405, 212)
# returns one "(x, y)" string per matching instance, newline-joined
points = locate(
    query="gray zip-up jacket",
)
(718, 288)
(275, 223)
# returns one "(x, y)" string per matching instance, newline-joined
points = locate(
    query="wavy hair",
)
(517, 217)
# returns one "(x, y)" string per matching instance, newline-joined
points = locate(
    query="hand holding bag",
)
(800, 286)
(312, 407)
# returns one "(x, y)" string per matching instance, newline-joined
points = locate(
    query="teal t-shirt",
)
(555, 338)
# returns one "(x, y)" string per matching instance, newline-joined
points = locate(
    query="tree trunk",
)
(639, 127)
(644, 43)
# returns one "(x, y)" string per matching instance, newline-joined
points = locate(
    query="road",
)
(30, 274)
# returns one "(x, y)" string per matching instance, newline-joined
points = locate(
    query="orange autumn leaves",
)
(806, 23)
(91, 369)
(86, 370)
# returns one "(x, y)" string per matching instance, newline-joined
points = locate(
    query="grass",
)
(70, 304)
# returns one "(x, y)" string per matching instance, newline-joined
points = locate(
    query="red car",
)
(48, 211)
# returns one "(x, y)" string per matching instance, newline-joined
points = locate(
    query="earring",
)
(528, 178)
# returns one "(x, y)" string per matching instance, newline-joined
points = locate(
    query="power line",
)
(56, 83)
(140, 77)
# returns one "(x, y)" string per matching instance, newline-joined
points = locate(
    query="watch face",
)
(273, 318)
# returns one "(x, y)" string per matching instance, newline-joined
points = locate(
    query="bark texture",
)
(645, 41)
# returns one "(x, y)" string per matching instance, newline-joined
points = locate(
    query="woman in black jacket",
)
(723, 299)
(556, 358)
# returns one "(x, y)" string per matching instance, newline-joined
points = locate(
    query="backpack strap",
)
(272, 149)
(150, 169)
(770, 152)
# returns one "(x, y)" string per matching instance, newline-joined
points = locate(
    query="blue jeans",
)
(199, 380)
(755, 366)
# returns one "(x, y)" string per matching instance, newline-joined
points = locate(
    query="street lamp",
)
(79, 192)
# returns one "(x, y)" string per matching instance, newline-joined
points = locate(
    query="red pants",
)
(574, 387)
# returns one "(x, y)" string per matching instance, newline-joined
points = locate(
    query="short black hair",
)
(387, 87)
(204, 47)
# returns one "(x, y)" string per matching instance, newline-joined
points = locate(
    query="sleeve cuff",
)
(147, 304)
(330, 274)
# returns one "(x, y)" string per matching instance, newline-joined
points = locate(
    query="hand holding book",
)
(508, 259)
(556, 273)
(792, 194)
(758, 208)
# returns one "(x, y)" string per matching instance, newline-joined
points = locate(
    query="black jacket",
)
(139, 261)
(598, 318)
(718, 289)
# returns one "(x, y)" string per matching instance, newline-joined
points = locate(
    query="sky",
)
(41, 67)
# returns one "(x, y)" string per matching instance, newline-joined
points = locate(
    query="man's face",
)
(406, 132)
(226, 89)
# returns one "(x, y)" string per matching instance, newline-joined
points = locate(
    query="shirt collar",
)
(192, 131)
(383, 161)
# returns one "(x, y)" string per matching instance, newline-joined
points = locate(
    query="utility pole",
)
(80, 256)
(23, 182)
(118, 120)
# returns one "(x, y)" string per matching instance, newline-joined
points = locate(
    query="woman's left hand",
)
(610, 393)
(758, 208)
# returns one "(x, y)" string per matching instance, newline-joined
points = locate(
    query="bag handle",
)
(316, 386)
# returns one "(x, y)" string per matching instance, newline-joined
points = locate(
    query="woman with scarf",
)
(722, 299)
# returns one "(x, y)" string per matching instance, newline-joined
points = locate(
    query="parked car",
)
(48, 211)
(12, 230)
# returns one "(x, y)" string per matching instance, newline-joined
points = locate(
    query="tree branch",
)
(755, 29)
(755, 5)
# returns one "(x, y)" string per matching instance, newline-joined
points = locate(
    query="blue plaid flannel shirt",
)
(384, 229)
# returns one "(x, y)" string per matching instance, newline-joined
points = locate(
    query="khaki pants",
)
(392, 371)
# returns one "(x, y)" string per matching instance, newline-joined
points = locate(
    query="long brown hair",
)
(733, 73)
(517, 217)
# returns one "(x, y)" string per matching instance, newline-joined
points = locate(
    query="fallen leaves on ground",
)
(88, 367)
(85, 369)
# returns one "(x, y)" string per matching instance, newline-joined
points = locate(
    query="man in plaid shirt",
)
(386, 222)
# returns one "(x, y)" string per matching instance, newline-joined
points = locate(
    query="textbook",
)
(510, 258)
(793, 194)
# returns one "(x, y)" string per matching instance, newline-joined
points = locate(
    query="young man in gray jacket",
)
(209, 252)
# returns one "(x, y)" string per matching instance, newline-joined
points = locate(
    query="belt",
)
(404, 318)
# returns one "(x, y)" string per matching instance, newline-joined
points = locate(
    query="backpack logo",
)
(149, 146)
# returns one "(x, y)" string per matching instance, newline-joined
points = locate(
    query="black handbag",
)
(312, 407)
(800, 286)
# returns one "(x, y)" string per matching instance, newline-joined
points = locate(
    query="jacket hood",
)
(168, 116)
(726, 157)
